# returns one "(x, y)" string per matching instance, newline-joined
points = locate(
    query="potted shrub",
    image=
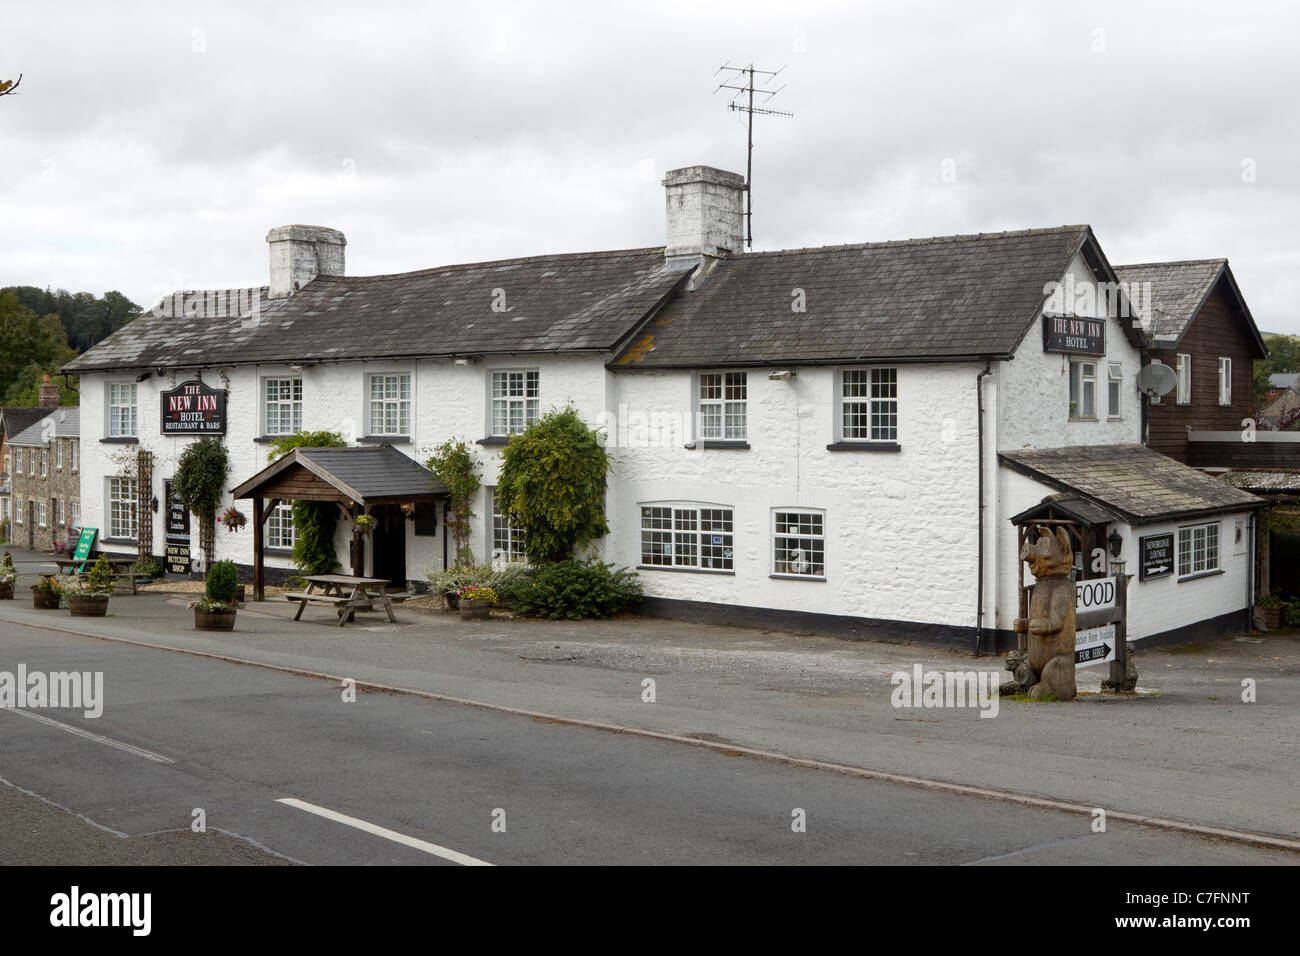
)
(89, 597)
(46, 593)
(215, 611)
(8, 575)
(475, 600)
(1271, 613)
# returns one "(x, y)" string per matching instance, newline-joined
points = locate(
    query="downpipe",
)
(979, 573)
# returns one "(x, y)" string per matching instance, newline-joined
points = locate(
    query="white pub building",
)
(830, 439)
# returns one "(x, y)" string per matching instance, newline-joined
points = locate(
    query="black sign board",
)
(178, 516)
(1157, 555)
(178, 558)
(1073, 334)
(193, 408)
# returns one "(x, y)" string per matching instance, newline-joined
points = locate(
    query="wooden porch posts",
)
(259, 571)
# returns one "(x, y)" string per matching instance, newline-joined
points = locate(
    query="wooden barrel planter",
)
(223, 620)
(44, 600)
(474, 610)
(87, 605)
(6, 592)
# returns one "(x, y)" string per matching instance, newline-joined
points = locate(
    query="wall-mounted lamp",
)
(1116, 543)
(408, 509)
(153, 504)
(784, 375)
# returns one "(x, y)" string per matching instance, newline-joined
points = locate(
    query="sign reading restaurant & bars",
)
(193, 408)
(1074, 334)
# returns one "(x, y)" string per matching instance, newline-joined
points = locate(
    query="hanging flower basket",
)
(364, 524)
(233, 519)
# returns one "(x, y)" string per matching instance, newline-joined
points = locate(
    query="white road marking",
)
(402, 838)
(86, 734)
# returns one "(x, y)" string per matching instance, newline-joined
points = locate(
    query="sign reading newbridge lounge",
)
(1074, 334)
(193, 408)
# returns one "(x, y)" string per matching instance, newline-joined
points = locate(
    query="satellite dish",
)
(1156, 380)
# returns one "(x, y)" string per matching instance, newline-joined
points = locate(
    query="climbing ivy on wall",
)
(200, 481)
(454, 464)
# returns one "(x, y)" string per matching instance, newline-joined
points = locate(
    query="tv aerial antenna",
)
(742, 101)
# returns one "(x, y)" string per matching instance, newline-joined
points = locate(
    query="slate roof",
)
(948, 297)
(558, 303)
(365, 473)
(1140, 485)
(1078, 508)
(1178, 290)
(55, 423)
(1264, 482)
(17, 419)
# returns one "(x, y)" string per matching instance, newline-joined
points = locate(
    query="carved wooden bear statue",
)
(1050, 627)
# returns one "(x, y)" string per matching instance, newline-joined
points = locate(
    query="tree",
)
(200, 481)
(9, 86)
(455, 465)
(33, 346)
(1283, 357)
(313, 521)
(553, 481)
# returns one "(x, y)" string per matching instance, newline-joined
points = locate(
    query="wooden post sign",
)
(1099, 627)
(193, 408)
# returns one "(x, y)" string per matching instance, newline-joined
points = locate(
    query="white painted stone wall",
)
(1035, 389)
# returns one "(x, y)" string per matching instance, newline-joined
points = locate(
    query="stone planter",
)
(45, 600)
(87, 605)
(214, 620)
(474, 610)
(6, 592)
(1269, 618)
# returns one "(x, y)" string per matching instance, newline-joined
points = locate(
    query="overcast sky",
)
(151, 146)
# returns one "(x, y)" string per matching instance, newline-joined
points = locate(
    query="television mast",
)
(742, 101)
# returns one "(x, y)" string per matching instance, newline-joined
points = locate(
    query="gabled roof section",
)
(1178, 291)
(561, 303)
(1071, 507)
(37, 434)
(1140, 485)
(367, 474)
(945, 298)
(15, 419)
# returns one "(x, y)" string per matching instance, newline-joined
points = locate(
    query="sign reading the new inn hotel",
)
(1077, 336)
(193, 408)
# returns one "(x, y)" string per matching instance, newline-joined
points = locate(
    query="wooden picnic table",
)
(121, 567)
(345, 593)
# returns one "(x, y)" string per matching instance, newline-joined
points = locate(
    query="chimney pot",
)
(47, 394)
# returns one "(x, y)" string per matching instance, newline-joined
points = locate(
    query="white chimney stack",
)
(300, 254)
(705, 212)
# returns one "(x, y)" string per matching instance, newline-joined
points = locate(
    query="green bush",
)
(572, 590)
(223, 581)
(99, 579)
(147, 567)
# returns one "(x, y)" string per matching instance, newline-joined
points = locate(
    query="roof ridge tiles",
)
(549, 257)
(919, 241)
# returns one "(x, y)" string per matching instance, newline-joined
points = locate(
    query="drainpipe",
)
(979, 573)
(443, 529)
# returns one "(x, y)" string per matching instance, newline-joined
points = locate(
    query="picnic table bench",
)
(346, 594)
(121, 568)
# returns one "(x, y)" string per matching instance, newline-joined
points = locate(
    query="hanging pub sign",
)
(193, 408)
(1075, 335)
(1157, 556)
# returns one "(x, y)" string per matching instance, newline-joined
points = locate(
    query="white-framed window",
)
(688, 536)
(1184, 370)
(18, 510)
(516, 400)
(799, 543)
(58, 463)
(122, 508)
(1198, 548)
(18, 461)
(869, 404)
(72, 454)
(390, 404)
(722, 400)
(45, 463)
(1225, 380)
(282, 406)
(74, 512)
(507, 537)
(1114, 379)
(63, 512)
(279, 527)
(1083, 390)
(40, 514)
(122, 410)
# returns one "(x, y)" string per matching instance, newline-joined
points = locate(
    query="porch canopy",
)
(357, 479)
